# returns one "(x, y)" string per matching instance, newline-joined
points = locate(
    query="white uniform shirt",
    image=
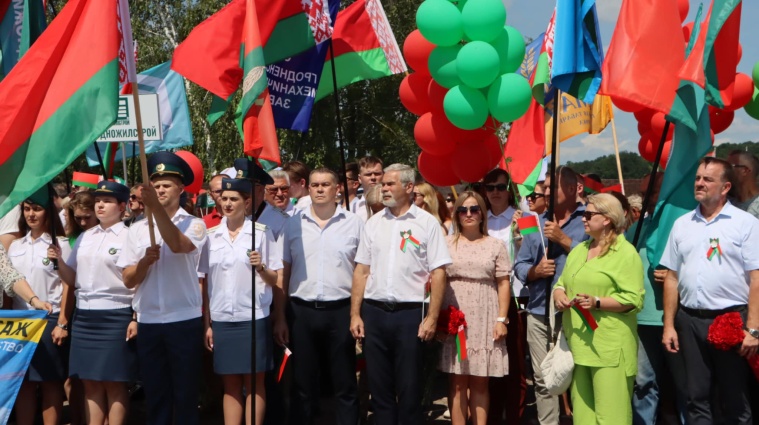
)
(99, 284)
(304, 202)
(30, 259)
(170, 291)
(358, 207)
(397, 275)
(499, 227)
(274, 218)
(230, 273)
(9, 222)
(322, 259)
(723, 281)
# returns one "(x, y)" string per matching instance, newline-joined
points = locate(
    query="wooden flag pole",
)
(616, 150)
(143, 159)
(551, 202)
(123, 161)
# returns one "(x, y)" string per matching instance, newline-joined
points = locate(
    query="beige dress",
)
(472, 289)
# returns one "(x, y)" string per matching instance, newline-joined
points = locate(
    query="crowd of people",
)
(375, 263)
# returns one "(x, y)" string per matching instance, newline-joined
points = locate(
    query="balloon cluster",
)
(752, 107)
(464, 86)
(651, 123)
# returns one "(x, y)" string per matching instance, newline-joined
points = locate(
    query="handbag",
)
(558, 365)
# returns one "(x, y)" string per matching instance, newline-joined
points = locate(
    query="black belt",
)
(711, 314)
(321, 305)
(393, 306)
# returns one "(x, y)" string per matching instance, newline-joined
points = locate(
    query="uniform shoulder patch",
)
(198, 230)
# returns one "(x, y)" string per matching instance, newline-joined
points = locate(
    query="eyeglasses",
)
(501, 187)
(274, 189)
(474, 209)
(588, 215)
(535, 196)
(740, 166)
(133, 197)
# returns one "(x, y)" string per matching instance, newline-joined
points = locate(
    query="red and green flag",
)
(541, 83)
(715, 55)
(59, 98)
(85, 180)
(528, 224)
(592, 186)
(586, 317)
(364, 47)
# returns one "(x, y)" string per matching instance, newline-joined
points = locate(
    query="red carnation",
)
(450, 319)
(726, 333)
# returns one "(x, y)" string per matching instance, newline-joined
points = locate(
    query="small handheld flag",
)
(586, 316)
(288, 353)
(528, 225)
(85, 180)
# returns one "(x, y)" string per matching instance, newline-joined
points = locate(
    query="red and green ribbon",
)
(461, 343)
(714, 249)
(407, 239)
(586, 317)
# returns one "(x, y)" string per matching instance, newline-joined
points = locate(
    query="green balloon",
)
(510, 47)
(755, 74)
(752, 108)
(439, 21)
(509, 97)
(442, 65)
(465, 107)
(478, 64)
(483, 19)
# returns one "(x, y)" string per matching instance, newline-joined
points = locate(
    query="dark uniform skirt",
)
(99, 350)
(49, 361)
(232, 345)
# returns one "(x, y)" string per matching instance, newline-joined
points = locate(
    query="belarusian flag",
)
(364, 47)
(254, 116)
(21, 22)
(542, 78)
(59, 98)
(85, 180)
(528, 224)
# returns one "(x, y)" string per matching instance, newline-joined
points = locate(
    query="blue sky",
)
(530, 17)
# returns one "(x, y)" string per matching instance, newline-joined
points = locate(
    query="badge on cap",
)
(160, 167)
(229, 185)
(102, 187)
(239, 174)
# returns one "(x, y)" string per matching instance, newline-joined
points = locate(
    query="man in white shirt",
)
(712, 257)
(320, 245)
(402, 249)
(278, 193)
(369, 175)
(167, 299)
(298, 173)
(745, 172)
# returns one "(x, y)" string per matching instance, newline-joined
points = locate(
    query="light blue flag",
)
(577, 49)
(172, 105)
(20, 331)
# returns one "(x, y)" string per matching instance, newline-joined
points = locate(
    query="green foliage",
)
(724, 149)
(633, 166)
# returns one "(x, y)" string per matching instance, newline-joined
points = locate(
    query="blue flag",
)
(577, 49)
(172, 106)
(531, 55)
(21, 23)
(293, 82)
(20, 331)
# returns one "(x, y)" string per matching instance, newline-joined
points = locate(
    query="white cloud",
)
(608, 10)
(589, 146)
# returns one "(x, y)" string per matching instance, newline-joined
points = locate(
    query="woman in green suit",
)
(603, 275)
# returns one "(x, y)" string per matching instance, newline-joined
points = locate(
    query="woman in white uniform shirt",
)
(49, 363)
(229, 259)
(102, 350)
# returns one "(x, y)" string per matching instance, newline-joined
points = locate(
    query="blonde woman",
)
(605, 276)
(425, 197)
(479, 287)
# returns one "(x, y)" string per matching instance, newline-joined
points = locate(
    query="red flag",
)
(526, 143)
(645, 54)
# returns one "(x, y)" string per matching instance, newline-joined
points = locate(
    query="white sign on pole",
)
(125, 127)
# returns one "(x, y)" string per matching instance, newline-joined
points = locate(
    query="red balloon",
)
(644, 115)
(197, 170)
(435, 134)
(740, 52)
(742, 89)
(494, 148)
(683, 6)
(720, 119)
(626, 105)
(413, 93)
(687, 31)
(649, 143)
(416, 51)
(665, 154)
(643, 127)
(437, 169)
(658, 121)
(471, 161)
(436, 94)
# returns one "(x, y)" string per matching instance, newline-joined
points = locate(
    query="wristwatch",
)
(753, 332)
(598, 303)
(503, 320)
(62, 326)
(263, 268)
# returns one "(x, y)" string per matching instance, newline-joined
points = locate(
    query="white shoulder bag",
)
(558, 364)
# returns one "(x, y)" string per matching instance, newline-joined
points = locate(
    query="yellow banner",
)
(22, 329)
(577, 117)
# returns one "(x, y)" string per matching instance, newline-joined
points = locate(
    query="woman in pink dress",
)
(478, 285)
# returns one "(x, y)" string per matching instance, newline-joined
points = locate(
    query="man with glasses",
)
(537, 271)
(745, 172)
(214, 188)
(278, 193)
(351, 174)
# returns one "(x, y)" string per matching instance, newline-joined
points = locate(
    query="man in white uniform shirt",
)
(401, 249)
(167, 299)
(369, 175)
(712, 257)
(320, 245)
(278, 193)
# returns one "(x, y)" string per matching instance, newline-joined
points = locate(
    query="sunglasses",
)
(474, 209)
(534, 196)
(274, 189)
(501, 187)
(133, 197)
(588, 215)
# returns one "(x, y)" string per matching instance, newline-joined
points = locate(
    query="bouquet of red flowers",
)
(451, 321)
(726, 333)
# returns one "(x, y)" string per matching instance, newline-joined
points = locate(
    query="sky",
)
(530, 17)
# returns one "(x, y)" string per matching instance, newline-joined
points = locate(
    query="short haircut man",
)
(278, 193)
(369, 175)
(745, 173)
(712, 255)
